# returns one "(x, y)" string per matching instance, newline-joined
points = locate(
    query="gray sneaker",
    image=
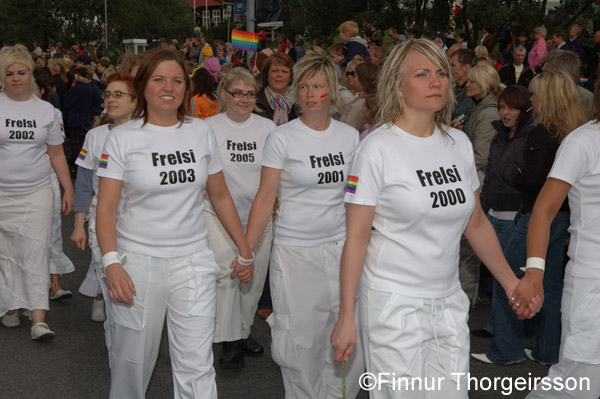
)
(11, 320)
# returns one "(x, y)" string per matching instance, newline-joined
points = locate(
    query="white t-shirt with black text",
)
(25, 129)
(423, 193)
(314, 166)
(577, 162)
(164, 172)
(241, 146)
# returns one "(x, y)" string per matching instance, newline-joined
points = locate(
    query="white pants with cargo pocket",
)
(305, 288)
(182, 288)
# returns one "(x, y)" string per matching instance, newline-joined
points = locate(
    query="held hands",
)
(530, 290)
(120, 286)
(78, 237)
(343, 339)
(244, 273)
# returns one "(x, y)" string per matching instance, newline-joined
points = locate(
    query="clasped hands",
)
(527, 297)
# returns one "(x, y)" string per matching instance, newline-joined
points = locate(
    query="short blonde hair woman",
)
(413, 313)
(30, 146)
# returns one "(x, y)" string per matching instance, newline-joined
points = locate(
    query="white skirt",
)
(25, 232)
(59, 262)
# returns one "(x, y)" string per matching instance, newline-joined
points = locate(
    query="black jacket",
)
(507, 156)
(507, 75)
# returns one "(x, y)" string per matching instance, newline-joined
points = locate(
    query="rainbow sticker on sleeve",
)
(82, 154)
(324, 98)
(103, 163)
(351, 184)
(62, 127)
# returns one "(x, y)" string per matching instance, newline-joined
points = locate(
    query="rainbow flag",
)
(247, 41)
(351, 184)
(82, 154)
(103, 163)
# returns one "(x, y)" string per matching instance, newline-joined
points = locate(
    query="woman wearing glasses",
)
(120, 101)
(273, 100)
(241, 138)
(164, 162)
(305, 165)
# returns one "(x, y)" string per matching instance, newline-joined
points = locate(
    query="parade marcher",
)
(30, 146)
(120, 102)
(411, 193)
(164, 162)
(305, 164)
(241, 138)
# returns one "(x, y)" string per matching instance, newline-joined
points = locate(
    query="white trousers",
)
(183, 288)
(305, 289)
(59, 262)
(236, 303)
(410, 341)
(90, 285)
(579, 356)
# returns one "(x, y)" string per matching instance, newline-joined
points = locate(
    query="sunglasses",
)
(351, 73)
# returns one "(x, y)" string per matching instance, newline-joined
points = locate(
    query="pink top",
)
(537, 52)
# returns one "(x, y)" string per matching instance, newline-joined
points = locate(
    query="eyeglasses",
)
(116, 94)
(240, 94)
(351, 73)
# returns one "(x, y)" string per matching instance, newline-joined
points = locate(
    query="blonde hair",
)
(487, 77)
(541, 30)
(577, 28)
(232, 77)
(559, 108)
(482, 52)
(17, 54)
(349, 28)
(354, 62)
(389, 106)
(311, 66)
(59, 65)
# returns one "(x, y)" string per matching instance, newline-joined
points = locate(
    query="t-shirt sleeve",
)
(275, 152)
(215, 164)
(55, 130)
(474, 177)
(86, 156)
(572, 161)
(365, 179)
(112, 160)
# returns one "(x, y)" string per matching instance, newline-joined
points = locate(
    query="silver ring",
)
(517, 304)
(512, 298)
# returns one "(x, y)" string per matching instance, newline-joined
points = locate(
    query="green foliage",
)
(439, 16)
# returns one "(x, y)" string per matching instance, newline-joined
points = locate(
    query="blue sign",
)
(240, 8)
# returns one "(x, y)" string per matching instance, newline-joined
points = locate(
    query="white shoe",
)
(98, 313)
(529, 354)
(482, 357)
(41, 332)
(11, 320)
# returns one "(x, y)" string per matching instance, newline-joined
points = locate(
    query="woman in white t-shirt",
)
(411, 194)
(120, 101)
(576, 172)
(241, 138)
(30, 145)
(164, 162)
(305, 163)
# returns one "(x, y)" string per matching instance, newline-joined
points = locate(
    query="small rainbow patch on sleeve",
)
(82, 154)
(324, 98)
(62, 127)
(103, 163)
(351, 184)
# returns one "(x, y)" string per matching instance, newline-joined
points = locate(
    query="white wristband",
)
(245, 262)
(109, 258)
(535, 263)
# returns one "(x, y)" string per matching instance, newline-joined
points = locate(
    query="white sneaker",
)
(98, 313)
(41, 332)
(482, 357)
(11, 320)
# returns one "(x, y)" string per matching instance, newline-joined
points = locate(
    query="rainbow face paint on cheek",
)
(324, 98)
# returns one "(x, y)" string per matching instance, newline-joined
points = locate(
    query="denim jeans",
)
(504, 230)
(509, 332)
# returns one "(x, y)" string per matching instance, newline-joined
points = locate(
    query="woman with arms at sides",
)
(274, 98)
(164, 162)
(204, 102)
(413, 180)
(241, 138)
(575, 172)
(558, 112)
(30, 146)
(305, 163)
(120, 101)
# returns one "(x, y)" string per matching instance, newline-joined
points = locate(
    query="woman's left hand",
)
(68, 201)
(244, 273)
(527, 298)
